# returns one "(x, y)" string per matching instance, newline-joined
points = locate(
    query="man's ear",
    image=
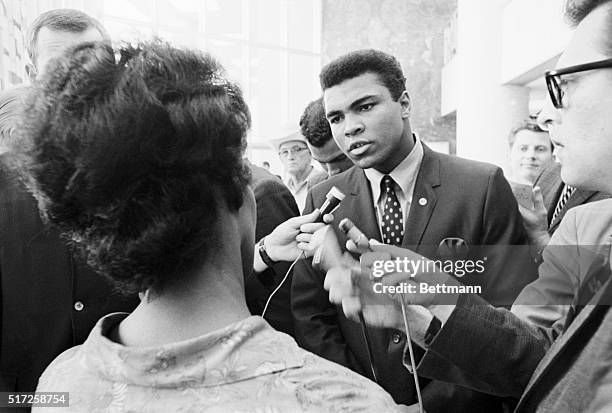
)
(31, 71)
(404, 101)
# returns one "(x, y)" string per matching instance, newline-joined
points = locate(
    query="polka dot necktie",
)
(392, 217)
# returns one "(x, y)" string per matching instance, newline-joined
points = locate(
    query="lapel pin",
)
(422, 201)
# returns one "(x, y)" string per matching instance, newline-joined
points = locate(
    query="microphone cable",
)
(300, 256)
(412, 359)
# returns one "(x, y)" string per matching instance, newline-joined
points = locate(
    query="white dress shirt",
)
(404, 175)
(299, 190)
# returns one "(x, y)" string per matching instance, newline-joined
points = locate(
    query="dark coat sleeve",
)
(497, 356)
(275, 205)
(509, 265)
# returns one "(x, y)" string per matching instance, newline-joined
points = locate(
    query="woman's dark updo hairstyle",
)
(132, 160)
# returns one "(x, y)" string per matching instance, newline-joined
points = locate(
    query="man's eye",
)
(334, 120)
(366, 107)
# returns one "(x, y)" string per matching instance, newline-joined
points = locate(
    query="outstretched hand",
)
(363, 288)
(283, 244)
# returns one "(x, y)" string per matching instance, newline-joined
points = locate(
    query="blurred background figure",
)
(147, 135)
(10, 108)
(50, 299)
(531, 151)
(266, 165)
(298, 173)
(323, 148)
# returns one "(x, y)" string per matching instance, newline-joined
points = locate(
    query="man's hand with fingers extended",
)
(354, 287)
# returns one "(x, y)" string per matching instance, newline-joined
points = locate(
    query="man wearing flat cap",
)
(299, 175)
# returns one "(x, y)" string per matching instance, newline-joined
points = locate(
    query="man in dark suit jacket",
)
(508, 355)
(551, 185)
(446, 197)
(275, 205)
(50, 301)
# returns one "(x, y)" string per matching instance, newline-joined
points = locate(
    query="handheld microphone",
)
(332, 201)
(329, 249)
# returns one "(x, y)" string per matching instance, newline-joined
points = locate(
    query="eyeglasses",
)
(553, 78)
(294, 150)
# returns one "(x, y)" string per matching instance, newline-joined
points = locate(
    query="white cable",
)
(302, 254)
(411, 351)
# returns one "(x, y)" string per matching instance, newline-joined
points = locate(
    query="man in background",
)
(323, 149)
(50, 301)
(299, 174)
(531, 151)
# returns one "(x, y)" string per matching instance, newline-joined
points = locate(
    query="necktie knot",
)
(388, 184)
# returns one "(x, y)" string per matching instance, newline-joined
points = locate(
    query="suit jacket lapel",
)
(551, 204)
(550, 183)
(361, 208)
(423, 198)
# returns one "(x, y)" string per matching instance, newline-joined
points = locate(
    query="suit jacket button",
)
(397, 338)
(79, 306)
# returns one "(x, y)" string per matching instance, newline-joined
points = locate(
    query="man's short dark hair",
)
(530, 124)
(358, 62)
(133, 160)
(61, 20)
(577, 10)
(314, 125)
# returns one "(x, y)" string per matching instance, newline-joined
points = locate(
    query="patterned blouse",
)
(245, 367)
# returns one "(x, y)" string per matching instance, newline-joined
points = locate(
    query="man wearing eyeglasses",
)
(566, 367)
(299, 174)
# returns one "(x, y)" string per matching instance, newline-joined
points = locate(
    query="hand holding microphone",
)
(313, 236)
(291, 240)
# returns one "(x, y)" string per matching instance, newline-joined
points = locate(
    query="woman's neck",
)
(207, 301)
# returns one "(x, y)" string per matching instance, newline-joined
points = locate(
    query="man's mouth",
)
(358, 148)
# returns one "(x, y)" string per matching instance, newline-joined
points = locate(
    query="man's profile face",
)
(582, 129)
(294, 156)
(52, 43)
(331, 158)
(367, 124)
